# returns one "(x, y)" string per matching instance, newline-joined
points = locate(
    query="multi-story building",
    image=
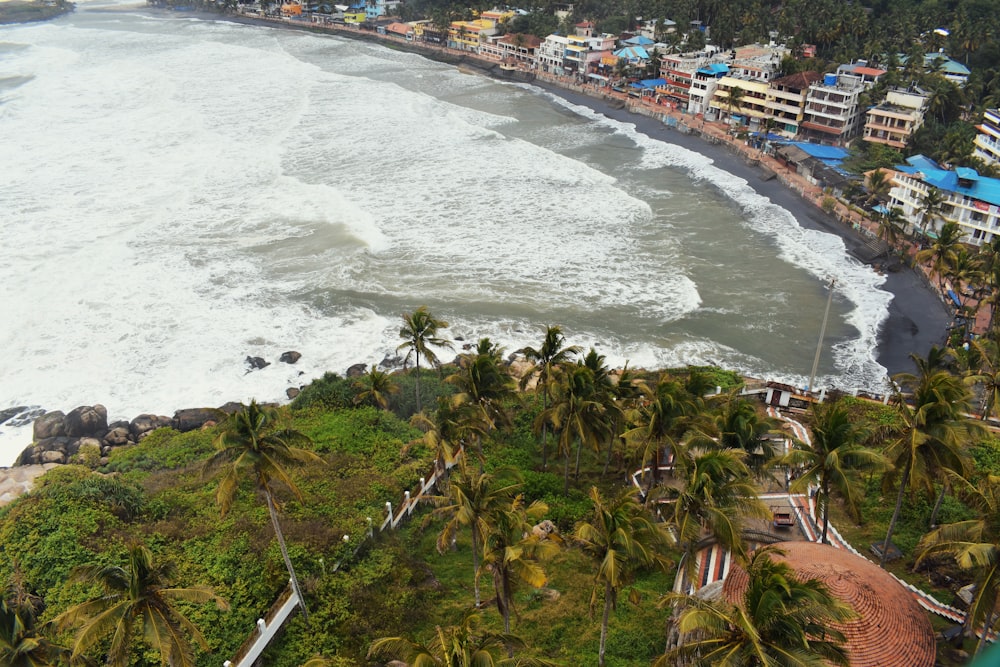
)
(895, 120)
(578, 53)
(988, 140)
(970, 200)
(703, 85)
(832, 113)
(512, 48)
(470, 35)
(740, 100)
(786, 102)
(551, 53)
(377, 8)
(869, 76)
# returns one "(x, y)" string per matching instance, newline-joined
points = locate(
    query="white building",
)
(970, 200)
(988, 139)
(833, 114)
(895, 120)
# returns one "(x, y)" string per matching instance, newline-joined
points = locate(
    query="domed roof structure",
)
(891, 627)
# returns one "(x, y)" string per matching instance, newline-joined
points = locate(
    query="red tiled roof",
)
(584, 24)
(869, 71)
(801, 80)
(891, 628)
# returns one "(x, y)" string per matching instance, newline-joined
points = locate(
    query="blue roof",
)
(945, 64)
(633, 53)
(715, 69)
(649, 84)
(639, 40)
(982, 188)
(967, 174)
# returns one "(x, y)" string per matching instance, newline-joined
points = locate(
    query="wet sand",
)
(918, 318)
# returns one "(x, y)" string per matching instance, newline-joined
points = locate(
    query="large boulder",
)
(50, 425)
(45, 450)
(356, 371)
(87, 420)
(118, 436)
(144, 424)
(191, 419)
(52, 456)
(290, 357)
(10, 413)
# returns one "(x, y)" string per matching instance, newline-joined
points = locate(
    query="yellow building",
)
(751, 104)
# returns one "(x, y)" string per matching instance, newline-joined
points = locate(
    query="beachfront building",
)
(584, 52)
(551, 53)
(703, 84)
(512, 48)
(757, 62)
(988, 140)
(868, 76)
(678, 71)
(833, 113)
(895, 120)
(740, 101)
(785, 103)
(377, 8)
(471, 35)
(970, 200)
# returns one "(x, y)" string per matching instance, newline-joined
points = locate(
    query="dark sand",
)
(918, 318)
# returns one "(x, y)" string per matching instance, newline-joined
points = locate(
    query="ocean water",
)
(179, 194)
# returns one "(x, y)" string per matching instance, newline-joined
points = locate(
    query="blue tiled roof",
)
(639, 40)
(633, 53)
(824, 153)
(649, 83)
(982, 188)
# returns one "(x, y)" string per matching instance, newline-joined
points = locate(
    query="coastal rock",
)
(389, 362)
(257, 363)
(87, 420)
(26, 417)
(292, 392)
(356, 371)
(54, 456)
(15, 482)
(290, 357)
(232, 407)
(191, 419)
(145, 424)
(50, 425)
(118, 436)
(11, 412)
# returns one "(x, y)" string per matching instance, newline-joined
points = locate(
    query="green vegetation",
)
(509, 558)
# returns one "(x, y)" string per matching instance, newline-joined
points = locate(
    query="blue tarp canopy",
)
(954, 298)
(881, 209)
(639, 40)
(715, 69)
(632, 53)
(649, 84)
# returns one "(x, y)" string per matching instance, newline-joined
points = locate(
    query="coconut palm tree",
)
(831, 460)
(419, 333)
(878, 187)
(709, 496)
(932, 434)
(620, 537)
(891, 225)
(975, 545)
(986, 374)
(552, 354)
(137, 602)
(250, 443)
(472, 499)
(465, 645)
(660, 421)
(942, 253)
(930, 208)
(21, 645)
(484, 385)
(739, 425)
(511, 551)
(577, 415)
(779, 621)
(374, 388)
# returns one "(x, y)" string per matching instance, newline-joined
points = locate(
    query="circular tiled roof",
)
(891, 628)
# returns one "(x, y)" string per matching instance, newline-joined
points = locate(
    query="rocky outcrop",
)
(17, 481)
(256, 363)
(145, 424)
(356, 371)
(50, 425)
(290, 357)
(192, 419)
(86, 420)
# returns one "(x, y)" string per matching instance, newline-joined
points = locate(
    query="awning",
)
(954, 298)
(597, 76)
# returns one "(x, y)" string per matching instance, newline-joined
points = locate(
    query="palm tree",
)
(735, 101)
(709, 496)
(975, 545)
(878, 186)
(831, 459)
(942, 253)
(739, 425)
(546, 359)
(511, 551)
(463, 646)
(779, 621)
(620, 537)
(930, 208)
(374, 388)
(891, 224)
(472, 499)
(20, 643)
(137, 602)
(484, 384)
(932, 434)
(986, 374)
(419, 332)
(250, 442)
(660, 421)
(577, 415)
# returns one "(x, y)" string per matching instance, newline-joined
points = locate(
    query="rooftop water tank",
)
(829, 79)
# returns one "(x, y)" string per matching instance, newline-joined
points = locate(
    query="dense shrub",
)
(330, 391)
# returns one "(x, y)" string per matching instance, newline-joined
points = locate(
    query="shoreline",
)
(918, 316)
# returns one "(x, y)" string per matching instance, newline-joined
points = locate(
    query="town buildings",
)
(988, 140)
(894, 121)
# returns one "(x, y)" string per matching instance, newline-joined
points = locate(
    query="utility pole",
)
(822, 333)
